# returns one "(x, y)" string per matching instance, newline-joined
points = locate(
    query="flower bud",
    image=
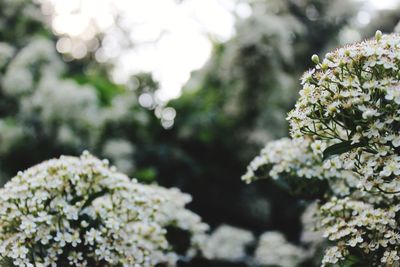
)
(378, 35)
(315, 59)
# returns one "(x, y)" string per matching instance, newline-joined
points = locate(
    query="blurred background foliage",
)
(52, 105)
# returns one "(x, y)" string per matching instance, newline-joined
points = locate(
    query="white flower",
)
(298, 158)
(274, 250)
(28, 225)
(80, 210)
(227, 243)
(391, 167)
(393, 93)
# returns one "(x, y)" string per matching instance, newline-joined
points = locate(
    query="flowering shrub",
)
(352, 98)
(345, 129)
(53, 107)
(81, 212)
(39, 106)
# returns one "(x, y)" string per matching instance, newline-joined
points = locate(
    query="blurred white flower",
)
(227, 243)
(274, 250)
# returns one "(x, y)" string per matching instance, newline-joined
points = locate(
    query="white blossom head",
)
(38, 58)
(352, 98)
(274, 250)
(362, 232)
(227, 243)
(297, 165)
(82, 212)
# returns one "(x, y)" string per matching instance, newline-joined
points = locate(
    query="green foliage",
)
(105, 89)
(340, 148)
(310, 189)
(6, 262)
(146, 175)
(18, 20)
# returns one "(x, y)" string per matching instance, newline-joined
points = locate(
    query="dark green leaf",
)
(340, 148)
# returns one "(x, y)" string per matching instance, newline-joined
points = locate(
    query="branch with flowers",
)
(345, 146)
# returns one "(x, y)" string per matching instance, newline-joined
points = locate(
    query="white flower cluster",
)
(352, 98)
(349, 107)
(234, 244)
(42, 106)
(355, 224)
(68, 111)
(299, 158)
(274, 250)
(227, 243)
(38, 58)
(351, 101)
(81, 212)
(288, 156)
(63, 108)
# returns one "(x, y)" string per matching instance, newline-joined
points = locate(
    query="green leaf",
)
(340, 148)
(146, 175)
(6, 262)
(105, 89)
(351, 261)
